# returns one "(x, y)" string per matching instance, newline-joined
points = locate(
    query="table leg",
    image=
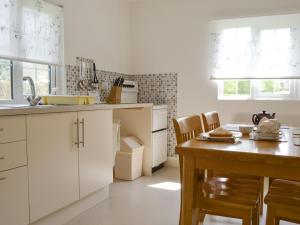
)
(188, 182)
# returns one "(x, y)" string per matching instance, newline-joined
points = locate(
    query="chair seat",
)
(229, 191)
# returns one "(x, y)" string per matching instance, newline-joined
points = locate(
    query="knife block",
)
(115, 95)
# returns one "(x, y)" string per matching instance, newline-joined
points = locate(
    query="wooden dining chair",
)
(187, 128)
(283, 200)
(211, 121)
(230, 197)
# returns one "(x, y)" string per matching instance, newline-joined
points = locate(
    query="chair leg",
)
(271, 215)
(261, 196)
(255, 215)
(261, 203)
(277, 221)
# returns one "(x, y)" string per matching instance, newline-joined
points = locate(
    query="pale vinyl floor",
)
(137, 203)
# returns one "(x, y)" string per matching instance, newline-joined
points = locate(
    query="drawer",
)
(160, 147)
(12, 128)
(12, 155)
(160, 119)
(14, 206)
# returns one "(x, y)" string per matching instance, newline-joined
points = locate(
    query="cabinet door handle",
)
(82, 129)
(2, 178)
(2, 158)
(1, 129)
(77, 133)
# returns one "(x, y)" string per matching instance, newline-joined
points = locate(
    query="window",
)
(41, 76)
(258, 89)
(256, 58)
(14, 89)
(31, 44)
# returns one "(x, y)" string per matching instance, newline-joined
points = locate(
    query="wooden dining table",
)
(259, 158)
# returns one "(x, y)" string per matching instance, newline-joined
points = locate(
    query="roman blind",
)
(266, 47)
(31, 31)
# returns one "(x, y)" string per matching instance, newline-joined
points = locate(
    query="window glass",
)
(236, 88)
(5, 80)
(274, 87)
(40, 75)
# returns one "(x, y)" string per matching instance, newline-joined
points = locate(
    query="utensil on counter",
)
(95, 79)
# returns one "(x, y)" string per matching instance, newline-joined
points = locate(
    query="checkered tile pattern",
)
(153, 88)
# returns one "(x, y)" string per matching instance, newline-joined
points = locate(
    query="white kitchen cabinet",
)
(160, 135)
(160, 147)
(52, 162)
(14, 208)
(160, 117)
(95, 151)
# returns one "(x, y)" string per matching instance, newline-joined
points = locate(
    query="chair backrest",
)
(187, 128)
(210, 121)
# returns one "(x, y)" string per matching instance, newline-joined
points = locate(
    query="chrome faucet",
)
(33, 99)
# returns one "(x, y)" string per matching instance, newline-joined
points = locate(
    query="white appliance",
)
(160, 135)
(130, 91)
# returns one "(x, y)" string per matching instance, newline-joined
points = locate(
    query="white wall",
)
(100, 30)
(171, 36)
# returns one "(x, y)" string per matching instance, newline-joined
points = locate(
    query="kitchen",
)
(154, 55)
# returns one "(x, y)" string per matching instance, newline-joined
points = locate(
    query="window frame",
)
(255, 95)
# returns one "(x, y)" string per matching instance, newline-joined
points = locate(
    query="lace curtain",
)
(256, 48)
(31, 30)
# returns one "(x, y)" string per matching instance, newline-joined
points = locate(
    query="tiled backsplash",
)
(153, 88)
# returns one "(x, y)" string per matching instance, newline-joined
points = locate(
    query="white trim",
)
(29, 60)
(66, 214)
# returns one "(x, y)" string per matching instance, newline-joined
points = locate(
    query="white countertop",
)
(27, 110)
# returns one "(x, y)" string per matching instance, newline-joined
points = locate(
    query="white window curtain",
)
(32, 31)
(256, 48)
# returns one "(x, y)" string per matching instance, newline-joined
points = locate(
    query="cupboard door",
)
(52, 162)
(14, 208)
(96, 150)
(160, 147)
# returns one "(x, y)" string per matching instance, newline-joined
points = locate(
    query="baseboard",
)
(172, 162)
(66, 214)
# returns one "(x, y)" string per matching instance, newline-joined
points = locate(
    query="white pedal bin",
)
(129, 160)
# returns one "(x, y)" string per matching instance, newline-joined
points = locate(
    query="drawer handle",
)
(2, 178)
(2, 158)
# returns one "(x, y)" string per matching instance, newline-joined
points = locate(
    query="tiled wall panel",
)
(153, 88)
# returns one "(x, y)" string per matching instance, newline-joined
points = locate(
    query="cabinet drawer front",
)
(12, 155)
(160, 147)
(12, 128)
(160, 119)
(14, 207)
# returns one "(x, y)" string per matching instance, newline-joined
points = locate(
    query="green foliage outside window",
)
(5, 80)
(237, 87)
